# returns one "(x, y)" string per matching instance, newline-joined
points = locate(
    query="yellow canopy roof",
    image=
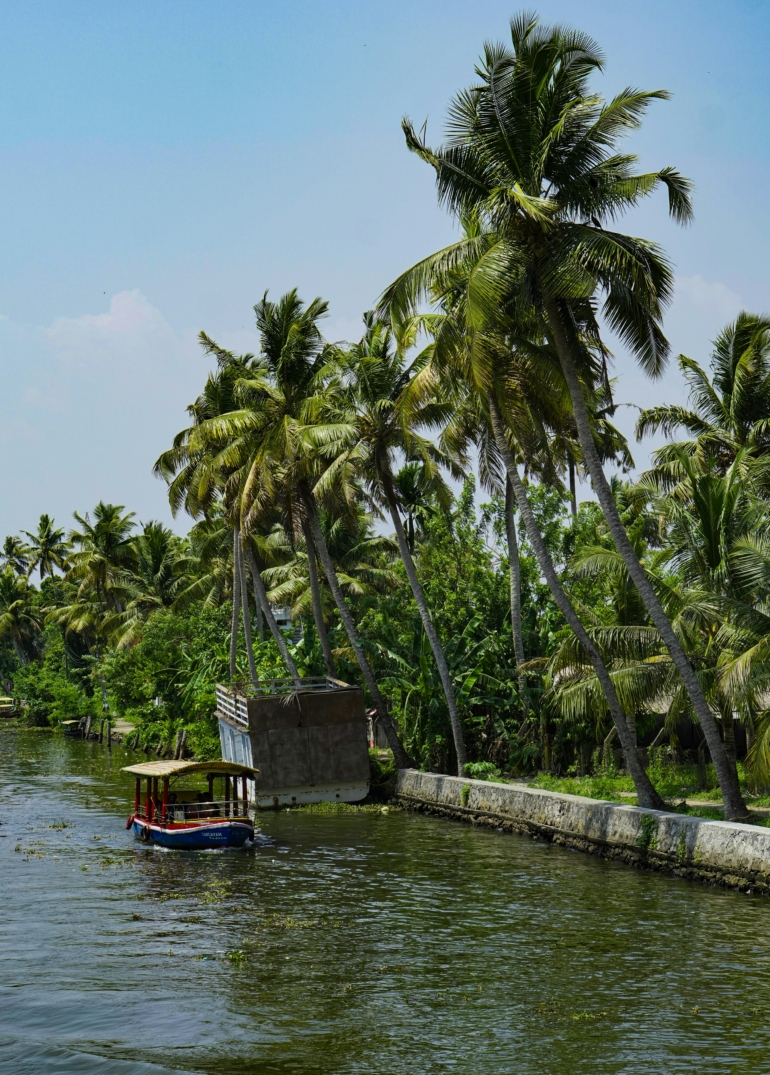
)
(178, 768)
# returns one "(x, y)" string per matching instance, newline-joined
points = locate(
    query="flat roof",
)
(177, 768)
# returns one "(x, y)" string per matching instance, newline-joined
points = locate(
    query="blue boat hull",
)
(203, 837)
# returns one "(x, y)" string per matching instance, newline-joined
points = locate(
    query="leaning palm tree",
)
(487, 352)
(533, 152)
(47, 548)
(379, 378)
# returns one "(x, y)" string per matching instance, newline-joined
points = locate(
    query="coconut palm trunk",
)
(236, 607)
(427, 622)
(572, 490)
(514, 573)
(646, 793)
(21, 656)
(726, 772)
(246, 610)
(402, 759)
(315, 595)
(264, 605)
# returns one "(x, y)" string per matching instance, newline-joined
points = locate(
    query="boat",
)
(8, 707)
(185, 819)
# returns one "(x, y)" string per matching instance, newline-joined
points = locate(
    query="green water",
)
(387, 944)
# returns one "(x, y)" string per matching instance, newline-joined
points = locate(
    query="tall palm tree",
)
(483, 350)
(201, 467)
(276, 438)
(380, 378)
(533, 151)
(47, 548)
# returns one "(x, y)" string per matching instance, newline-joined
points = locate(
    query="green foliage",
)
(481, 770)
(648, 839)
(51, 687)
(383, 775)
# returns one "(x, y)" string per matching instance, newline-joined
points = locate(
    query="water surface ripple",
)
(382, 944)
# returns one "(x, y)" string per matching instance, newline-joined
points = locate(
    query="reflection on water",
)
(385, 944)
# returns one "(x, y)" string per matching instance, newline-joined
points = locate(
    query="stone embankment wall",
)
(718, 852)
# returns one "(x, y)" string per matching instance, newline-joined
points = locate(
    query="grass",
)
(675, 783)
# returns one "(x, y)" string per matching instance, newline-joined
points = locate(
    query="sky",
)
(163, 165)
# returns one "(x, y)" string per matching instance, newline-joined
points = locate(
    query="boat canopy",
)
(180, 768)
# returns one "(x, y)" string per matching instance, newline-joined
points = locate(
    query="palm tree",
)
(532, 151)
(380, 379)
(727, 413)
(711, 520)
(200, 468)
(103, 554)
(276, 437)
(19, 620)
(15, 554)
(361, 558)
(47, 548)
(499, 355)
(162, 570)
(415, 498)
(266, 429)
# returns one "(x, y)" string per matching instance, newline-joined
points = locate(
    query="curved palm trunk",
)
(726, 772)
(236, 606)
(264, 605)
(246, 611)
(315, 593)
(514, 573)
(260, 620)
(646, 793)
(21, 656)
(427, 622)
(402, 759)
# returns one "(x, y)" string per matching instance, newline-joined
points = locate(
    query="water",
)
(384, 944)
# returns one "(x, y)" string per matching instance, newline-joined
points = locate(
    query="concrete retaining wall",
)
(718, 852)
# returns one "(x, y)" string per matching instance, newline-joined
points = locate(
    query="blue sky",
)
(161, 165)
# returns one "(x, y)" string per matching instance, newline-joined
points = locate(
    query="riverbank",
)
(726, 853)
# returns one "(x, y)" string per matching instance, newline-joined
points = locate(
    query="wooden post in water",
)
(87, 732)
(101, 730)
(109, 734)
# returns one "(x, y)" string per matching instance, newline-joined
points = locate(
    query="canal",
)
(359, 943)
